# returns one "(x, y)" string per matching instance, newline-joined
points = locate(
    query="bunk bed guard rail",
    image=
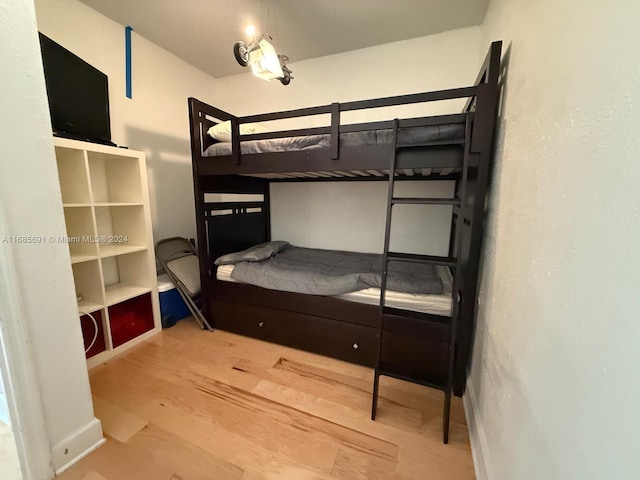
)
(203, 116)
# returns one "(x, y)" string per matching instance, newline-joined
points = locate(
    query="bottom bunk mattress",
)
(345, 275)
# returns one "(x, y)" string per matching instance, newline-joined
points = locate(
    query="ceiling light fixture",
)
(261, 55)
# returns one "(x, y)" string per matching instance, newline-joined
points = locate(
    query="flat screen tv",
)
(78, 95)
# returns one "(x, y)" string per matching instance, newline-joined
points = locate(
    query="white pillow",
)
(222, 131)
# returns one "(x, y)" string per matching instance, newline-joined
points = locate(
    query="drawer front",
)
(313, 305)
(342, 340)
(130, 319)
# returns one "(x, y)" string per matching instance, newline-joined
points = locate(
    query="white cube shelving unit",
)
(106, 209)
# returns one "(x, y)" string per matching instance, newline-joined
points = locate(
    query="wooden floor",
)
(190, 405)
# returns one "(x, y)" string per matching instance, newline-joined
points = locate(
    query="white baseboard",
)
(77, 446)
(479, 448)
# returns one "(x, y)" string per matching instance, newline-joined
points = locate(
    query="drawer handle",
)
(356, 346)
(261, 324)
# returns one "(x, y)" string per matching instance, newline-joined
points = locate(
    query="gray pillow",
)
(257, 253)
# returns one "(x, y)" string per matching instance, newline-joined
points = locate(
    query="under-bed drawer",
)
(313, 305)
(334, 338)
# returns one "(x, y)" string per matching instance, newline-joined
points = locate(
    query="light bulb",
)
(250, 31)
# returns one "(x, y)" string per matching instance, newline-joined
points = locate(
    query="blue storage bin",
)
(172, 307)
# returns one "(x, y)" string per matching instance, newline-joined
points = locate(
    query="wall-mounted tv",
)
(78, 95)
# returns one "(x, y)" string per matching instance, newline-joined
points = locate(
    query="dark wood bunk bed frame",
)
(428, 349)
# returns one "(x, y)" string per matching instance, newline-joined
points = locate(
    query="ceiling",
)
(202, 32)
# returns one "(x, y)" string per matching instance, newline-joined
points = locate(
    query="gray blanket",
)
(406, 135)
(330, 272)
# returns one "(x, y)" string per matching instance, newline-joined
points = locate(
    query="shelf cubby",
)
(120, 230)
(89, 331)
(72, 172)
(125, 276)
(130, 319)
(115, 179)
(80, 234)
(86, 277)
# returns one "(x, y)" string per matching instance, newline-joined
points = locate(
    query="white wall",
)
(554, 382)
(156, 119)
(4, 407)
(30, 195)
(446, 60)
(351, 216)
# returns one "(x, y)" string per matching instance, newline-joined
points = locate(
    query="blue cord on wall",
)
(127, 53)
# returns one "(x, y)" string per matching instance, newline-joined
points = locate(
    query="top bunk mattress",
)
(406, 136)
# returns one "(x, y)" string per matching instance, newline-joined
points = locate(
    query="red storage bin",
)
(130, 319)
(89, 330)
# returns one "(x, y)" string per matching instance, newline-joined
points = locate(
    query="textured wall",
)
(30, 196)
(351, 216)
(554, 381)
(446, 60)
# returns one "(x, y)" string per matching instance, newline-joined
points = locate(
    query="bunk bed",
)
(231, 186)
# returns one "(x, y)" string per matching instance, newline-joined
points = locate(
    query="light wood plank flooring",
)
(190, 405)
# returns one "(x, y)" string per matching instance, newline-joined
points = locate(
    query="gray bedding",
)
(330, 272)
(408, 135)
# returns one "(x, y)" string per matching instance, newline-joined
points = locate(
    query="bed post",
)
(485, 107)
(235, 141)
(195, 118)
(335, 131)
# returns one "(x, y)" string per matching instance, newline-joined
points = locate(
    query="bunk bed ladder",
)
(385, 266)
(449, 261)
